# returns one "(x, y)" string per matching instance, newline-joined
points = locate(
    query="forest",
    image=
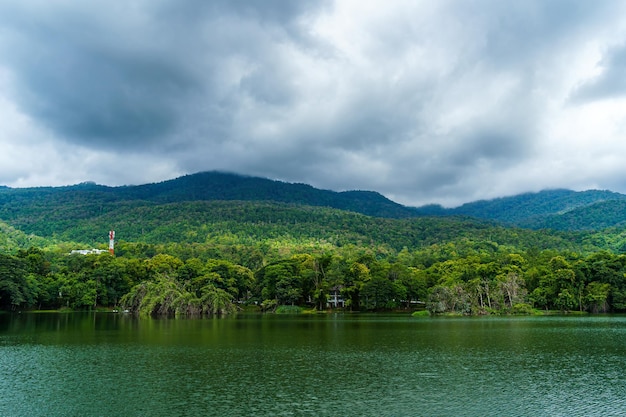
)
(199, 256)
(466, 277)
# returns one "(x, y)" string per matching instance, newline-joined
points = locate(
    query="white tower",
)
(111, 242)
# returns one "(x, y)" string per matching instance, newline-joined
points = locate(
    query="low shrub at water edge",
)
(537, 312)
(288, 310)
(251, 308)
(269, 305)
(577, 313)
(522, 309)
(421, 313)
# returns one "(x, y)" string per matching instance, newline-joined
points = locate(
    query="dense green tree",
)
(14, 287)
(164, 295)
(356, 276)
(277, 253)
(415, 284)
(596, 297)
(280, 282)
(449, 299)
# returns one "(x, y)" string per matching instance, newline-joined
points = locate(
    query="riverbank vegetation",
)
(466, 277)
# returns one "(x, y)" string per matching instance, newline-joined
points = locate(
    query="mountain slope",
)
(526, 206)
(211, 186)
(559, 209)
(261, 223)
(215, 207)
(205, 186)
(12, 239)
(597, 216)
(556, 209)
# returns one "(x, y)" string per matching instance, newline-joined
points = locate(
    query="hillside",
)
(596, 216)
(217, 208)
(214, 186)
(36, 210)
(12, 239)
(556, 209)
(205, 186)
(253, 223)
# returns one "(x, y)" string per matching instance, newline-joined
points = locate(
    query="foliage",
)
(468, 278)
(181, 254)
(165, 295)
(288, 310)
(555, 209)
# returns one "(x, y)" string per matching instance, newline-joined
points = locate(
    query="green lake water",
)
(311, 365)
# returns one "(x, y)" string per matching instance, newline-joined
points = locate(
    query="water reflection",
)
(369, 365)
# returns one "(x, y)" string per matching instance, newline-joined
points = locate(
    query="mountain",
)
(194, 205)
(34, 210)
(272, 226)
(204, 186)
(232, 210)
(555, 209)
(212, 186)
(597, 216)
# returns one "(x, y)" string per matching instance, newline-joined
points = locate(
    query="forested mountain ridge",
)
(596, 217)
(204, 186)
(554, 209)
(262, 223)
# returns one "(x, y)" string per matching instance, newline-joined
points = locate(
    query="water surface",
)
(323, 365)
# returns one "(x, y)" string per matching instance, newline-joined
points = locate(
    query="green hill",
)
(12, 239)
(256, 224)
(557, 209)
(202, 207)
(205, 186)
(596, 216)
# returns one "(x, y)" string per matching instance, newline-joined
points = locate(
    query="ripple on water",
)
(326, 368)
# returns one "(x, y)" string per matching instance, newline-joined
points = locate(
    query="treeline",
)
(465, 277)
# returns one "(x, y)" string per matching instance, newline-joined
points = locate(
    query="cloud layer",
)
(426, 102)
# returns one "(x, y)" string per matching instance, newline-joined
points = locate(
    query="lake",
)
(106, 364)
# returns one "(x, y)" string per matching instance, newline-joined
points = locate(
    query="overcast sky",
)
(424, 101)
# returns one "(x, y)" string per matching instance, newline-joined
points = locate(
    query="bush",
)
(269, 305)
(522, 308)
(288, 310)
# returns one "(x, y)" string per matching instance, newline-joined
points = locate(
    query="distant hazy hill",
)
(596, 216)
(557, 209)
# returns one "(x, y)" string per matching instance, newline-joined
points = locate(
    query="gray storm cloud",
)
(423, 101)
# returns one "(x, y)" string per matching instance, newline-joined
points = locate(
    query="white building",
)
(88, 251)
